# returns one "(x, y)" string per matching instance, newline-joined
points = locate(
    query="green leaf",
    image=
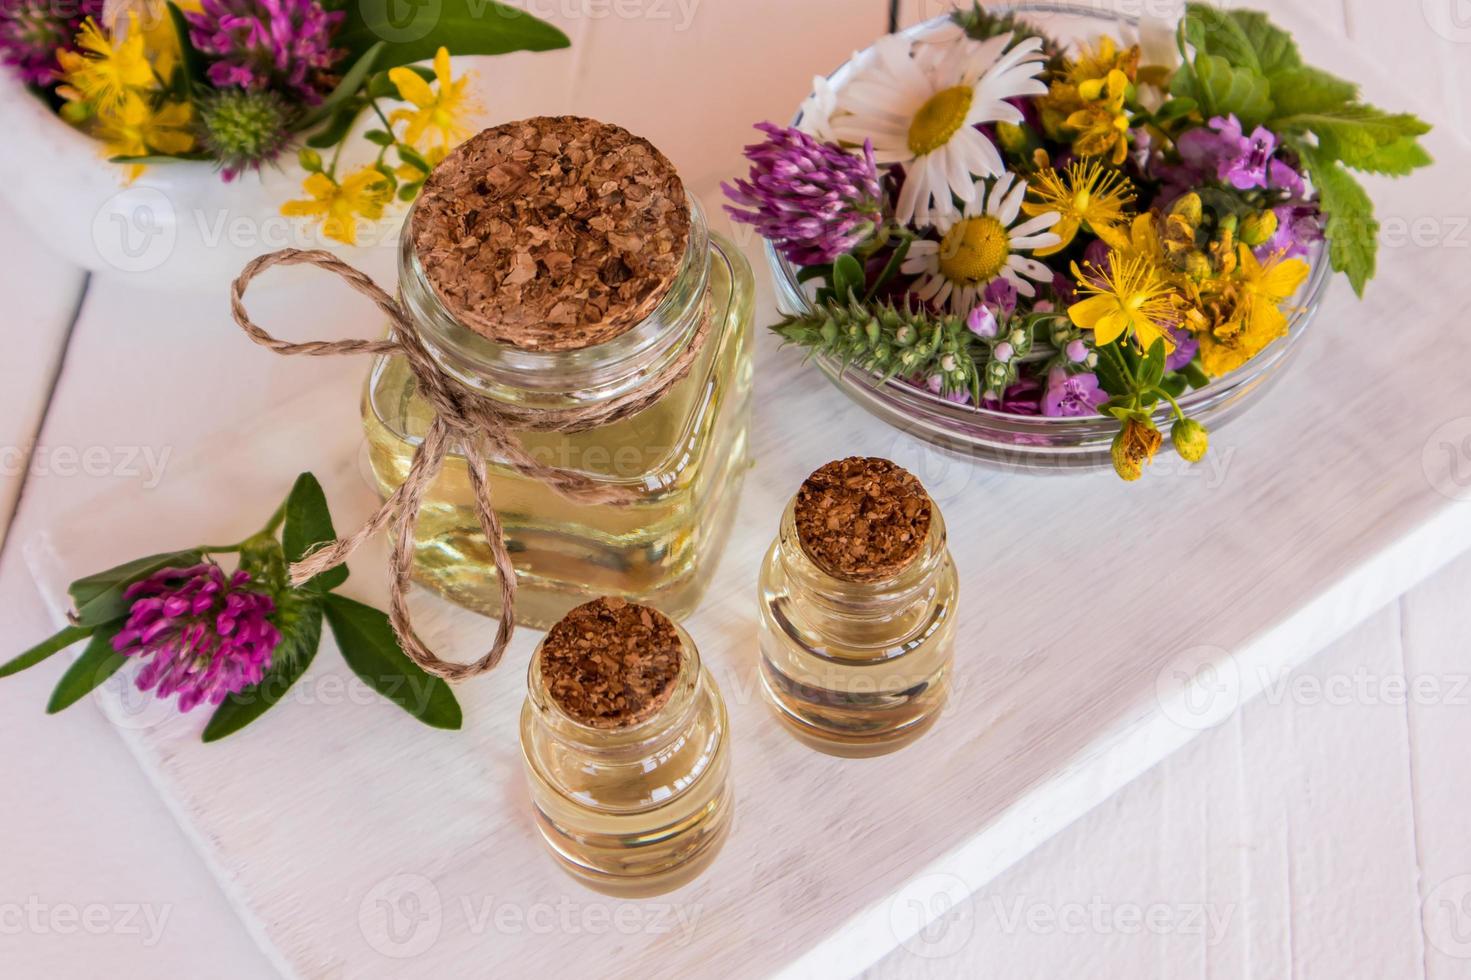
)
(1245, 38)
(1307, 89)
(1221, 89)
(99, 598)
(411, 157)
(96, 664)
(1352, 231)
(352, 81)
(44, 649)
(368, 644)
(1154, 365)
(1195, 375)
(308, 525)
(190, 58)
(847, 277)
(462, 26)
(1397, 159)
(299, 640)
(891, 268)
(1362, 136)
(408, 192)
(378, 137)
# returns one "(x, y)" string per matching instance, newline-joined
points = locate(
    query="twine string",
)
(463, 419)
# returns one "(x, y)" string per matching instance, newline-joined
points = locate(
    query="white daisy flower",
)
(980, 246)
(818, 109)
(920, 104)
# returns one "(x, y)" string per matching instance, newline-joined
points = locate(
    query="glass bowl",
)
(1037, 443)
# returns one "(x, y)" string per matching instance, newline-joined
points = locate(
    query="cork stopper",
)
(862, 519)
(610, 663)
(552, 233)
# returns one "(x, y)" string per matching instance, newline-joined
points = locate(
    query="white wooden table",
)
(1318, 831)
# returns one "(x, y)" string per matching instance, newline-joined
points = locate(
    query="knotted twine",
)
(473, 423)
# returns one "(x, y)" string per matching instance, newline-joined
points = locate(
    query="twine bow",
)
(468, 420)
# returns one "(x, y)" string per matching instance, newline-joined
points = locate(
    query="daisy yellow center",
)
(975, 250)
(939, 119)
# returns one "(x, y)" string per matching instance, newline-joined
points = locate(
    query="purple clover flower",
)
(32, 30)
(259, 44)
(813, 201)
(1071, 395)
(1244, 162)
(207, 636)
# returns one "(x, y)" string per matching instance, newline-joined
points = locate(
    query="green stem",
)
(1169, 398)
(272, 526)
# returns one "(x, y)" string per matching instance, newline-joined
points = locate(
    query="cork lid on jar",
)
(552, 233)
(862, 519)
(610, 663)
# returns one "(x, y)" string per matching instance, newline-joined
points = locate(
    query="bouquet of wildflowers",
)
(242, 82)
(1017, 228)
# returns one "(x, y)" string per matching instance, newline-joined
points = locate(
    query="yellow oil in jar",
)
(684, 457)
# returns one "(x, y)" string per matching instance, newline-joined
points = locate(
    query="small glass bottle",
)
(625, 740)
(858, 603)
(682, 458)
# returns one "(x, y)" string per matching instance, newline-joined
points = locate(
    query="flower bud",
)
(1004, 352)
(1077, 351)
(982, 322)
(310, 160)
(1013, 137)
(1191, 440)
(1188, 207)
(1018, 338)
(1197, 266)
(1134, 447)
(1259, 228)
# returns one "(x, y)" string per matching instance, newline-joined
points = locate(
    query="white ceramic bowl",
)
(178, 226)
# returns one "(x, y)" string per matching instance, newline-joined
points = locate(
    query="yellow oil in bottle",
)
(684, 456)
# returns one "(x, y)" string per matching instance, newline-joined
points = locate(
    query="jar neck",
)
(866, 615)
(649, 737)
(561, 379)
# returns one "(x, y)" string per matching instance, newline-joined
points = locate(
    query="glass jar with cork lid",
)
(626, 745)
(858, 606)
(556, 265)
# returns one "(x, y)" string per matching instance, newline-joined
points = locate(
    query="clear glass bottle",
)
(632, 811)
(856, 668)
(684, 456)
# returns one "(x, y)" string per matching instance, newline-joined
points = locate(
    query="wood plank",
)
(1280, 844)
(40, 307)
(1439, 668)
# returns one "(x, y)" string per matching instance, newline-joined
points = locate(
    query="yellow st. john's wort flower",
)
(1101, 124)
(134, 128)
(362, 194)
(1134, 447)
(1095, 64)
(441, 111)
(1256, 293)
(1089, 196)
(103, 73)
(1127, 296)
